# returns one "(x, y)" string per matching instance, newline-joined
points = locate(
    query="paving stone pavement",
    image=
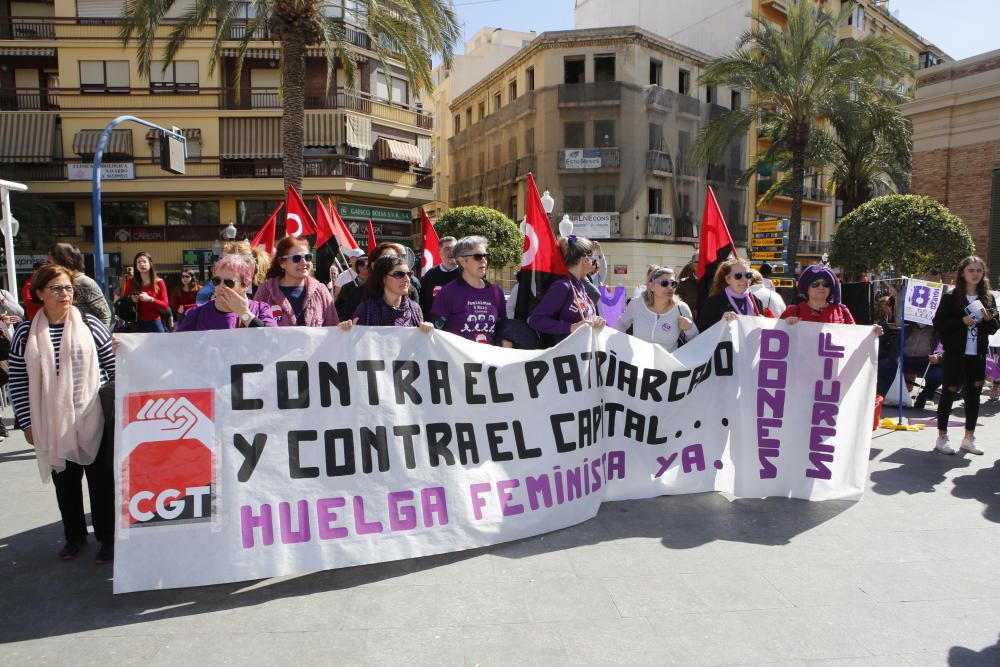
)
(908, 576)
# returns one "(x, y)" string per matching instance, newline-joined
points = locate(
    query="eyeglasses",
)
(740, 276)
(820, 283)
(228, 282)
(399, 275)
(60, 289)
(299, 257)
(478, 256)
(668, 283)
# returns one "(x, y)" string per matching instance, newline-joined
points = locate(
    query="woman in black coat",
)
(730, 295)
(964, 329)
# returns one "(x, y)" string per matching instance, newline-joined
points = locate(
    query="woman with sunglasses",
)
(565, 306)
(469, 306)
(730, 296)
(388, 302)
(295, 297)
(149, 293)
(229, 308)
(659, 316)
(965, 329)
(184, 295)
(819, 286)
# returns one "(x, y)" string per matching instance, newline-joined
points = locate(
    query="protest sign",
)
(922, 300)
(262, 452)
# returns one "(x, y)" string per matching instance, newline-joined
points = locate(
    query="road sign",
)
(769, 226)
(783, 282)
(768, 240)
(769, 256)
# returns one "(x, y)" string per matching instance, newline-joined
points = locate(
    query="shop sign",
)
(375, 214)
(111, 171)
(582, 158)
(592, 225)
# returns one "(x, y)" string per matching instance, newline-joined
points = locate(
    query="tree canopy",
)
(506, 242)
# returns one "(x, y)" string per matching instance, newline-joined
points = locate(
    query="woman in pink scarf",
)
(295, 297)
(58, 363)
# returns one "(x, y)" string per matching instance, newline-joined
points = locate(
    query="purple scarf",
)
(747, 307)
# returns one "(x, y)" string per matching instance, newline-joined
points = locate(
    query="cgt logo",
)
(168, 459)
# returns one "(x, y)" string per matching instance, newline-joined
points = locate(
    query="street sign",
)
(768, 240)
(769, 226)
(769, 256)
(172, 152)
(783, 282)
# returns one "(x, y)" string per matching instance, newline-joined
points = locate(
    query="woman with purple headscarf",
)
(819, 286)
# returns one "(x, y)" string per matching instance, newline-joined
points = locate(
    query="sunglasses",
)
(185, 275)
(299, 257)
(820, 283)
(228, 282)
(667, 282)
(399, 275)
(740, 276)
(478, 256)
(361, 263)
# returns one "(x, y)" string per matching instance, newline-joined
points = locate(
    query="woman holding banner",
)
(730, 296)
(469, 306)
(659, 316)
(819, 286)
(388, 302)
(295, 297)
(59, 363)
(565, 306)
(965, 319)
(229, 308)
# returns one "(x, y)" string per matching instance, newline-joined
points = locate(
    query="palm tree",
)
(793, 76)
(409, 31)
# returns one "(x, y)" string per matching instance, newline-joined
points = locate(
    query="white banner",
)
(582, 158)
(592, 225)
(262, 452)
(922, 299)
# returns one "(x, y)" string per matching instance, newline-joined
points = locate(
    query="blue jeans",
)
(151, 326)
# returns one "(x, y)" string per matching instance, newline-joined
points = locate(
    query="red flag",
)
(298, 219)
(432, 251)
(340, 231)
(371, 237)
(325, 229)
(716, 243)
(541, 253)
(265, 237)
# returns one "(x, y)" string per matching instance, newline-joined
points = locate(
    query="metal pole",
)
(102, 144)
(902, 335)
(8, 236)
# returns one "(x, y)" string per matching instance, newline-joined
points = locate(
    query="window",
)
(512, 207)
(458, 123)
(655, 72)
(468, 117)
(573, 136)
(64, 220)
(496, 158)
(255, 211)
(393, 89)
(482, 162)
(684, 204)
(604, 199)
(604, 133)
(573, 199)
(529, 79)
(175, 77)
(735, 100)
(574, 69)
(656, 137)
(512, 90)
(529, 140)
(496, 101)
(857, 17)
(192, 212)
(655, 201)
(119, 213)
(104, 76)
(512, 149)
(710, 94)
(482, 110)
(684, 82)
(604, 67)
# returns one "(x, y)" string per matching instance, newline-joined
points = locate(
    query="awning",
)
(388, 149)
(119, 143)
(359, 132)
(27, 137)
(254, 54)
(249, 138)
(37, 51)
(324, 128)
(190, 135)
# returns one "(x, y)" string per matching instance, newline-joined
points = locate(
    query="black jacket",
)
(953, 331)
(714, 307)
(432, 281)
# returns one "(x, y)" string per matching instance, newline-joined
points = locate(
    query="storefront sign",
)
(112, 171)
(621, 269)
(592, 225)
(582, 158)
(147, 233)
(22, 263)
(359, 230)
(375, 214)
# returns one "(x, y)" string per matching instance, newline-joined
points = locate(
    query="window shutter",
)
(103, 9)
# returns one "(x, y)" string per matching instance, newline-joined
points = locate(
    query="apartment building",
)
(64, 75)
(714, 26)
(604, 119)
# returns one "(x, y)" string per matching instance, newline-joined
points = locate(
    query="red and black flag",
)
(542, 262)
(716, 243)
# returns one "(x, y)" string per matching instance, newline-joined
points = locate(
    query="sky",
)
(962, 28)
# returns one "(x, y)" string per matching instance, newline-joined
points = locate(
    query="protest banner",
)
(280, 451)
(922, 300)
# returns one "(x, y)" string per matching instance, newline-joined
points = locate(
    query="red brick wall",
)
(962, 179)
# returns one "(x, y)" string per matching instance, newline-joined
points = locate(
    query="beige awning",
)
(249, 138)
(388, 149)
(27, 137)
(189, 134)
(359, 132)
(37, 51)
(254, 54)
(324, 128)
(119, 143)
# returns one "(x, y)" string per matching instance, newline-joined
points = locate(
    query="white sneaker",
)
(969, 445)
(942, 445)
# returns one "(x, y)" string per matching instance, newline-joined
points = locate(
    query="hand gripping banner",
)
(263, 452)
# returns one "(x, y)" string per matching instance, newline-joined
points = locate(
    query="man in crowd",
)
(440, 275)
(351, 274)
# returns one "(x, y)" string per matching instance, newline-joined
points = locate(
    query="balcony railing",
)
(525, 164)
(816, 247)
(27, 28)
(717, 172)
(809, 193)
(589, 159)
(689, 105)
(659, 161)
(660, 97)
(42, 28)
(598, 92)
(659, 226)
(684, 166)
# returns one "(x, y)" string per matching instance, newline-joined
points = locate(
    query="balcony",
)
(685, 167)
(525, 165)
(809, 193)
(47, 28)
(27, 27)
(717, 172)
(811, 247)
(689, 105)
(659, 226)
(590, 159)
(657, 96)
(659, 162)
(597, 93)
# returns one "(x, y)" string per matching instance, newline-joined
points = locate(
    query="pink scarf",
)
(66, 417)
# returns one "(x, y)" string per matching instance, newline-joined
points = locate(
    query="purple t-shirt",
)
(564, 303)
(470, 312)
(207, 317)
